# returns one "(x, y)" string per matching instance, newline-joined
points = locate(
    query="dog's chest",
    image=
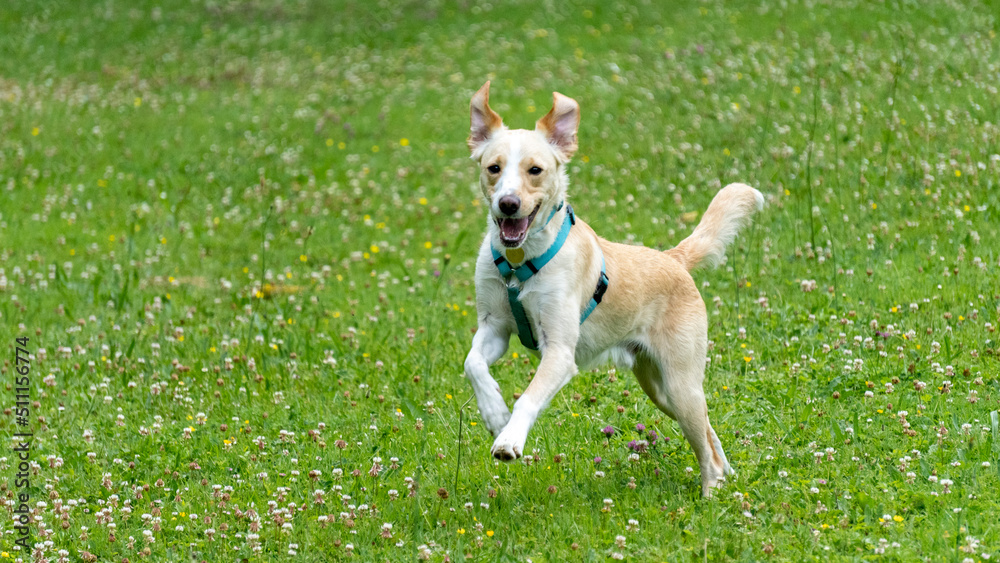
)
(533, 306)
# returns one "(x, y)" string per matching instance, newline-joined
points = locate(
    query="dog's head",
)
(522, 172)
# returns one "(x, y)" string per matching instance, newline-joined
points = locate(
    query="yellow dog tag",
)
(515, 255)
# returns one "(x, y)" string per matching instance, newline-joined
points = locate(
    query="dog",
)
(544, 275)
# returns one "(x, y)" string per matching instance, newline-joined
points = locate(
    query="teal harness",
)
(531, 267)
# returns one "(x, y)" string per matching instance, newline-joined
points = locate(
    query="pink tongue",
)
(513, 228)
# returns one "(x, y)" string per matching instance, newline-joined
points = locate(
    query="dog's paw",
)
(495, 421)
(709, 487)
(508, 446)
(494, 412)
(713, 479)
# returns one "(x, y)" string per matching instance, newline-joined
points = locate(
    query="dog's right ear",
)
(485, 121)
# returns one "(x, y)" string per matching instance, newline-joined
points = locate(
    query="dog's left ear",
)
(560, 124)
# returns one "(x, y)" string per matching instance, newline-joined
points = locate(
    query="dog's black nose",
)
(509, 204)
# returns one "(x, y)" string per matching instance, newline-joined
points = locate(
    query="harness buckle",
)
(602, 287)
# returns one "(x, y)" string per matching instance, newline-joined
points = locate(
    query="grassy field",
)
(240, 237)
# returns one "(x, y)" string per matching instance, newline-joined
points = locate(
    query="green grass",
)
(250, 219)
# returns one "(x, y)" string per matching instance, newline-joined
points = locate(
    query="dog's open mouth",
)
(513, 230)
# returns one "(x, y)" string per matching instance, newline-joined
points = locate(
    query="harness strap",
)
(602, 286)
(524, 332)
(531, 267)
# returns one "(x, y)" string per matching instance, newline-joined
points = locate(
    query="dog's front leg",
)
(557, 367)
(489, 343)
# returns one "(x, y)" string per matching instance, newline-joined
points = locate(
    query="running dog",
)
(577, 299)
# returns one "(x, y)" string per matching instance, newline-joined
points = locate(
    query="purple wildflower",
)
(638, 446)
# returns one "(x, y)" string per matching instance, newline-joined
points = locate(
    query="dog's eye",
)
(534, 171)
(493, 168)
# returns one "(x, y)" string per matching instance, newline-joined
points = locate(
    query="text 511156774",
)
(22, 443)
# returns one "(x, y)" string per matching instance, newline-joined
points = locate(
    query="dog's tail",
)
(729, 212)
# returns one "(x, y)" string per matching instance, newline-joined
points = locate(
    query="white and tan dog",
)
(651, 318)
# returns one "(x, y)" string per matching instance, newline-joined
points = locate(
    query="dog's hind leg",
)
(671, 371)
(488, 344)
